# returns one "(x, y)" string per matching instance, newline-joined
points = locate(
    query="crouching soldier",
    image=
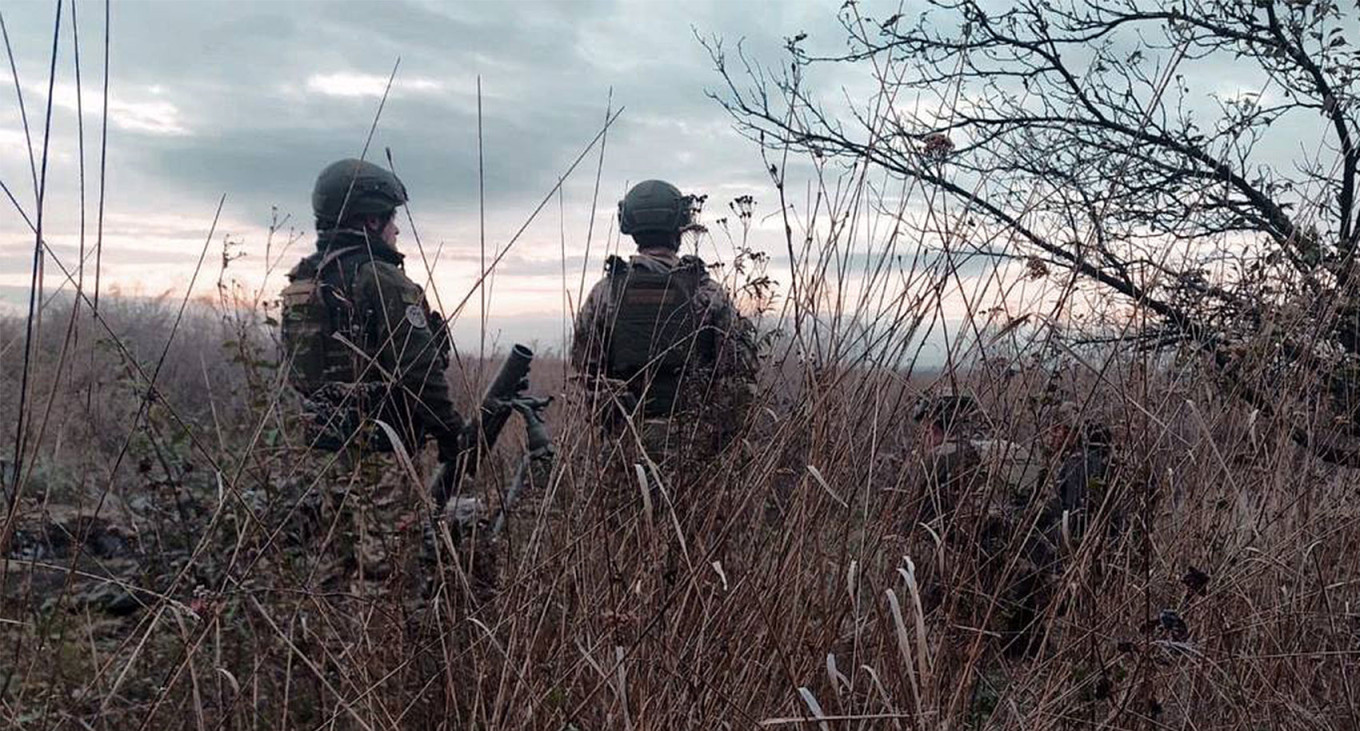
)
(1081, 449)
(979, 497)
(950, 460)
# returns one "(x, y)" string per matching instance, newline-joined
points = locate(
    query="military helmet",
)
(654, 206)
(945, 411)
(355, 188)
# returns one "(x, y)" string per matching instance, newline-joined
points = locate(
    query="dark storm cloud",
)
(263, 94)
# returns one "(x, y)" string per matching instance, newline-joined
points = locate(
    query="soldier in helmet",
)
(361, 343)
(950, 457)
(973, 491)
(1081, 448)
(666, 336)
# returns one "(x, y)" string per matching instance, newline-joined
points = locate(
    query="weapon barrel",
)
(480, 436)
(494, 410)
(503, 387)
(512, 371)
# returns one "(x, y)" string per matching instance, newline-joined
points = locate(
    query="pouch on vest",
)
(312, 309)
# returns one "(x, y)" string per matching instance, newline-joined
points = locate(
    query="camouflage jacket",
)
(729, 380)
(404, 344)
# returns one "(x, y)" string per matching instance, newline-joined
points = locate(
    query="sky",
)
(249, 100)
(244, 102)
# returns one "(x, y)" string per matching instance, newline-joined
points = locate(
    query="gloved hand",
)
(535, 429)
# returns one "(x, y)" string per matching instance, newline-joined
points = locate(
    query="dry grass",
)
(786, 583)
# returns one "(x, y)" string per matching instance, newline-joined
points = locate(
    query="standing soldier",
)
(664, 338)
(361, 344)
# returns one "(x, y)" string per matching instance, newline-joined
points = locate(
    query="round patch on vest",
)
(416, 316)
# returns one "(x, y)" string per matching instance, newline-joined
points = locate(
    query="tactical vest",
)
(659, 332)
(314, 307)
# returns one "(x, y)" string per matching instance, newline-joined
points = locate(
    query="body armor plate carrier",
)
(658, 336)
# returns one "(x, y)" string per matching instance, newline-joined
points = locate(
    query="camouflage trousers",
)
(658, 439)
(669, 441)
(670, 449)
(630, 453)
(1022, 573)
(369, 523)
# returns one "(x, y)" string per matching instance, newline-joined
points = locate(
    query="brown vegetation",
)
(786, 580)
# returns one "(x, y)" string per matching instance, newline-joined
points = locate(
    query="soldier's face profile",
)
(390, 231)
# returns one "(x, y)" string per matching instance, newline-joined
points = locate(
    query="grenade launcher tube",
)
(495, 409)
(480, 436)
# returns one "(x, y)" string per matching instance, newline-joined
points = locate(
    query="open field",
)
(158, 577)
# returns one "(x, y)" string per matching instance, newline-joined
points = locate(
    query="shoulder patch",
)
(416, 316)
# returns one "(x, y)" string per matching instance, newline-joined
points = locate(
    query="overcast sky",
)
(251, 99)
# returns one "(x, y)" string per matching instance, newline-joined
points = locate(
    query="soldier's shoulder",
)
(692, 266)
(690, 261)
(599, 289)
(712, 293)
(298, 272)
(615, 265)
(382, 273)
(596, 298)
(385, 285)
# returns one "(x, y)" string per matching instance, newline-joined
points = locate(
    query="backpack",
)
(658, 330)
